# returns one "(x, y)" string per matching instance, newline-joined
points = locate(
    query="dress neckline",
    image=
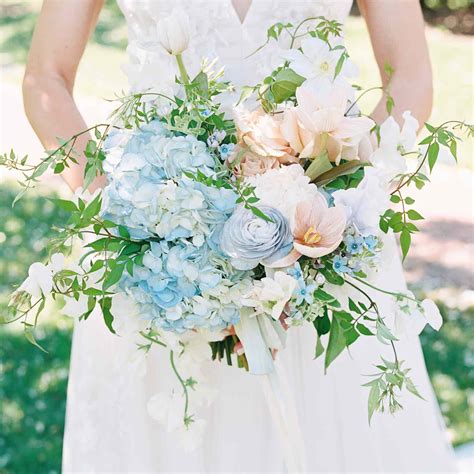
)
(240, 20)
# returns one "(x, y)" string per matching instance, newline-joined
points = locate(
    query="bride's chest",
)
(220, 18)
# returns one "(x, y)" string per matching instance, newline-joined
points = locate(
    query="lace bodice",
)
(217, 32)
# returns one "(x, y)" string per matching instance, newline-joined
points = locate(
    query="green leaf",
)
(106, 304)
(91, 148)
(332, 277)
(318, 166)
(129, 266)
(337, 341)
(389, 104)
(409, 200)
(411, 387)
(364, 330)
(257, 212)
(340, 63)
(59, 168)
(427, 140)
(414, 215)
(353, 306)
(374, 396)
(383, 224)
(201, 83)
(347, 168)
(284, 87)
(319, 350)
(123, 232)
(92, 208)
(89, 175)
(113, 276)
(322, 295)
(30, 337)
(453, 148)
(99, 244)
(68, 206)
(322, 324)
(395, 199)
(430, 127)
(405, 242)
(396, 218)
(384, 334)
(433, 152)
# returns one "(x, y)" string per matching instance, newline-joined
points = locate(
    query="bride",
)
(108, 426)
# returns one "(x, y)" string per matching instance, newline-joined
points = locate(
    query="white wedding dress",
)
(108, 428)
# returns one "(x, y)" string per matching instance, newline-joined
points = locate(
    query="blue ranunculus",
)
(250, 240)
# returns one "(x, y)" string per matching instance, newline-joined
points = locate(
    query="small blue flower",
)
(371, 242)
(339, 264)
(305, 292)
(295, 271)
(205, 112)
(226, 149)
(354, 245)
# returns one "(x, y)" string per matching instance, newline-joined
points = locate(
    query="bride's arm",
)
(397, 34)
(59, 40)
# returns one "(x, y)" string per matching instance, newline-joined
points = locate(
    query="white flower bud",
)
(173, 32)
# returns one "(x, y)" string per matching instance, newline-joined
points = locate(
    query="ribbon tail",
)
(272, 332)
(255, 347)
(283, 411)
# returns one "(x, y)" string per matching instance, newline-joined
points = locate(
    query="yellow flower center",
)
(312, 236)
(324, 66)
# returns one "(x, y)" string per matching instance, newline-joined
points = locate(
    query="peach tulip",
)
(317, 228)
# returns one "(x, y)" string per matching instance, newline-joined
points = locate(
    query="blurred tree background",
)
(33, 383)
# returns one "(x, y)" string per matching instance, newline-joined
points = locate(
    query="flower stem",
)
(186, 418)
(182, 70)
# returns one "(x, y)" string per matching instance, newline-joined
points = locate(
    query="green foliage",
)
(32, 382)
(25, 232)
(450, 4)
(33, 399)
(449, 356)
(17, 21)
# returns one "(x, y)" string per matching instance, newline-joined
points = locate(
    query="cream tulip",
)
(173, 32)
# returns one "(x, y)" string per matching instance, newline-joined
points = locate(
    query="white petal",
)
(432, 313)
(409, 131)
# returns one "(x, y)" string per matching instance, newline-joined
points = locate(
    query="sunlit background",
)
(33, 384)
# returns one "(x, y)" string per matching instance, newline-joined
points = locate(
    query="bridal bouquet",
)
(225, 233)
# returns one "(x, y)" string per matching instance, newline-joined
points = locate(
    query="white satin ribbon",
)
(258, 334)
(283, 411)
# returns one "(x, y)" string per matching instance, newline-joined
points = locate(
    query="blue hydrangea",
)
(185, 281)
(169, 286)
(148, 191)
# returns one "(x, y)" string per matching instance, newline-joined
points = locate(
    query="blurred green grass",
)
(33, 384)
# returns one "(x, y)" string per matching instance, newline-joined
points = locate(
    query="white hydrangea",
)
(284, 188)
